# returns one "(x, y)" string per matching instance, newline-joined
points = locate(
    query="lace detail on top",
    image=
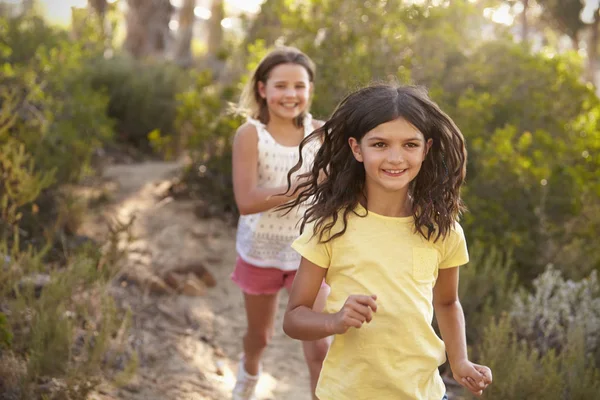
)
(264, 239)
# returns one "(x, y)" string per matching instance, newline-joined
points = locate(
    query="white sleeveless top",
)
(264, 239)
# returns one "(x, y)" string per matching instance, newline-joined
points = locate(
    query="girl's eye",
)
(379, 144)
(412, 145)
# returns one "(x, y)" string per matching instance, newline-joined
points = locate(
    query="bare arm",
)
(302, 322)
(451, 321)
(449, 314)
(249, 197)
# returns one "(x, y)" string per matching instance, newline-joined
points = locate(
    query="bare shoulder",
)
(246, 130)
(246, 134)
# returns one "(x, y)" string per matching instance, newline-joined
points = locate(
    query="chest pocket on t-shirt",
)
(425, 261)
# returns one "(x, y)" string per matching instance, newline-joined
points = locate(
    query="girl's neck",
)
(397, 204)
(277, 123)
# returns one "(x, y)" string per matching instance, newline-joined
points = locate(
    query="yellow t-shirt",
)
(395, 356)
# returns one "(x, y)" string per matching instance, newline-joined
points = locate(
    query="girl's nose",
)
(290, 92)
(395, 156)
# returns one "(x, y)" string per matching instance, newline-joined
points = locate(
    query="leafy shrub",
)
(49, 113)
(546, 346)
(556, 307)
(142, 97)
(207, 124)
(487, 287)
(57, 320)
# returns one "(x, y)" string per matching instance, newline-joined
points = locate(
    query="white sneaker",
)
(245, 384)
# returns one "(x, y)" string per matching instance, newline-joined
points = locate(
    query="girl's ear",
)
(428, 145)
(355, 147)
(262, 91)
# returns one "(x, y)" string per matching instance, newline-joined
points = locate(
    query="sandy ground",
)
(187, 346)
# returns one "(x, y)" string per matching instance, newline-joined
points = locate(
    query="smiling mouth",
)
(394, 172)
(289, 105)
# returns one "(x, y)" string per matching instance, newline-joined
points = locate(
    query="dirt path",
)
(187, 346)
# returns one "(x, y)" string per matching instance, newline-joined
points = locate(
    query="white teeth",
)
(394, 171)
(290, 105)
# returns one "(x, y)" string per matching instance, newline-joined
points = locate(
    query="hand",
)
(472, 376)
(357, 310)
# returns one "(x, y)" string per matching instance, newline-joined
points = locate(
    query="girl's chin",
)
(294, 112)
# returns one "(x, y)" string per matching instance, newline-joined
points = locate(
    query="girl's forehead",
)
(398, 128)
(289, 73)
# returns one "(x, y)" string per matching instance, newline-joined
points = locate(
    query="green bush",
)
(546, 346)
(26, 35)
(48, 111)
(142, 97)
(207, 124)
(57, 320)
(488, 284)
(54, 111)
(6, 335)
(523, 372)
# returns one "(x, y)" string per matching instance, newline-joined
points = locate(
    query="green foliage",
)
(6, 335)
(546, 345)
(57, 318)
(49, 113)
(207, 124)
(523, 372)
(487, 287)
(26, 35)
(530, 121)
(21, 186)
(58, 117)
(142, 97)
(524, 118)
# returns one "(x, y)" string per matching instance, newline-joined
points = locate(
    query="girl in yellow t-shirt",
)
(384, 199)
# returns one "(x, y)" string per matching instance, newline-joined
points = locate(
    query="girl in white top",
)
(265, 148)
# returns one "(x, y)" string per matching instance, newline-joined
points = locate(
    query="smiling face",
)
(392, 154)
(286, 91)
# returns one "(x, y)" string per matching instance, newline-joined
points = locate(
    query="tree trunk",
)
(99, 6)
(215, 30)
(266, 26)
(525, 23)
(593, 48)
(148, 27)
(28, 6)
(185, 32)
(213, 60)
(575, 41)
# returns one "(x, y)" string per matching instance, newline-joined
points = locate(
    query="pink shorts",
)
(260, 280)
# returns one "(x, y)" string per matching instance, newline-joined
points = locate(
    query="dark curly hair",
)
(336, 181)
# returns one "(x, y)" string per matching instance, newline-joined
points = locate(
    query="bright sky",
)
(60, 10)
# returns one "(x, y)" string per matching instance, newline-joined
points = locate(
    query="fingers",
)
(350, 319)
(470, 384)
(357, 310)
(486, 372)
(365, 300)
(363, 312)
(355, 319)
